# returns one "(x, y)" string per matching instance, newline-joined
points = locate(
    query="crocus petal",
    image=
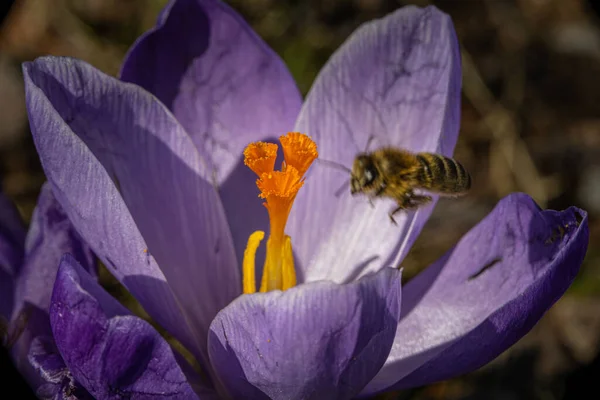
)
(97, 210)
(112, 357)
(12, 241)
(90, 128)
(222, 82)
(486, 293)
(46, 359)
(315, 341)
(397, 79)
(60, 385)
(50, 235)
(226, 87)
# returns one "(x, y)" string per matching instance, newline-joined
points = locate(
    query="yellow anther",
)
(287, 267)
(248, 269)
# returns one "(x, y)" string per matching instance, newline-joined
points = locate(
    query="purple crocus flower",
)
(149, 171)
(29, 262)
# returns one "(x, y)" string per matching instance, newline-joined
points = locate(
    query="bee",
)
(396, 173)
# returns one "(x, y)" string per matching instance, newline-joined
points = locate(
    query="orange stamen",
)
(279, 189)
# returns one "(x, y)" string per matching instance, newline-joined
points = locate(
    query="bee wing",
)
(440, 193)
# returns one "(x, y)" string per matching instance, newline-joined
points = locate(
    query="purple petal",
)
(90, 128)
(397, 78)
(50, 235)
(50, 391)
(12, 242)
(60, 385)
(226, 87)
(113, 358)
(222, 82)
(319, 340)
(46, 359)
(486, 293)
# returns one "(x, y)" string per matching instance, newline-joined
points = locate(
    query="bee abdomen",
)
(442, 174)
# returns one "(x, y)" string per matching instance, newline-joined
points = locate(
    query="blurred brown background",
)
(530, 123)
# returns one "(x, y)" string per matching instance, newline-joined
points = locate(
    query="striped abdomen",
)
(442, 174)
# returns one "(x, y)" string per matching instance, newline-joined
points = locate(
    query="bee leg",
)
(419, 200)
(402, 205)
(395, 211)
(392, 219)
(410, 201)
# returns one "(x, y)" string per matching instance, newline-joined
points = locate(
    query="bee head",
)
(364, 173)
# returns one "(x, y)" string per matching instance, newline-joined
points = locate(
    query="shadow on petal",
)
(147, 65)
(224, 357)
(151, 285)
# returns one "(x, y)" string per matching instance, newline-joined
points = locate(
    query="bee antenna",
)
(369, 141)
(335, 165)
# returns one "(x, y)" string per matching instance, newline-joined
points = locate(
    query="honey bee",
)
(396, 173)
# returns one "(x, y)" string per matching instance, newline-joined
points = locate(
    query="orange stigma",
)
(279, 189)
(260, 157)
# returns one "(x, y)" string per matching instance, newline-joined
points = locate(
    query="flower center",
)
(279, 189)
